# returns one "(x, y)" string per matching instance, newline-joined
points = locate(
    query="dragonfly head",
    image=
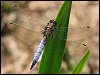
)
(53, 21)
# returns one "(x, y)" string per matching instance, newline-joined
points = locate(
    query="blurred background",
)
(19, 41)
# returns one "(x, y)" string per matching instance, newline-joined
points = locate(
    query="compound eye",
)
(51, 21)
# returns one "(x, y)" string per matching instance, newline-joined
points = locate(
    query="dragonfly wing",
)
(77, 38)
(28, 36)
(76, 33)
(80, 34)
(25, 15)
(76, 46)
(73, 53)
(24, 27)
(23, 34)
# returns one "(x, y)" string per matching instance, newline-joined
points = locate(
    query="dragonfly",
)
(47, 32)
(48, 29)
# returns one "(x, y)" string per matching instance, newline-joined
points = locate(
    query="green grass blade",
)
(78, 69)
(54, 49)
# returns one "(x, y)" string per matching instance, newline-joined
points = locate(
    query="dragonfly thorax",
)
(49, 28)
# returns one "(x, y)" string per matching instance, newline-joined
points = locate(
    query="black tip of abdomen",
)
(33, 64)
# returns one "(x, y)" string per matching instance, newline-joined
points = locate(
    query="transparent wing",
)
(24, 27)
(73, 53)
(74, 50)
(76, 33)
(25, 34)
(77, 37)
(24, 14)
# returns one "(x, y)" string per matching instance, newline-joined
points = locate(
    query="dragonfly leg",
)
(56, 37)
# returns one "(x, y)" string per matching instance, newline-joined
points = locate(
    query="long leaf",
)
(78, 69)
(54, 49)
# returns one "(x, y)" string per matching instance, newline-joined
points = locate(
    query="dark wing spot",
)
(88, 26)
(15, 6)
(10, 23)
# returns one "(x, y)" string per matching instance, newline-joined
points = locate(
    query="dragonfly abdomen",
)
(46, 33)
(38, 53)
